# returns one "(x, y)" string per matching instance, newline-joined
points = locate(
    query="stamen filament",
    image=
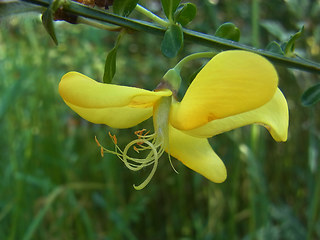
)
(145, 141)
(155, 143)
(95, 138)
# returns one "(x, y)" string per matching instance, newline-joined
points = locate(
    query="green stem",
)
(98, 25)
(152, 16)
(193, 57)
(193, 36)
(173, 76)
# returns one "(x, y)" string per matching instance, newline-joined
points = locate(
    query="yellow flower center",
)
(155, 143)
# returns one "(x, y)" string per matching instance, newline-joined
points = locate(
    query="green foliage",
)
(47, 18)
(169, 7)
(290, 45)
(110, 66)
(228, 31)
(185, 13)
(124, 7)
(311, 96)
(172, 41)
(47, 21)
(286, 48)
(71, 8)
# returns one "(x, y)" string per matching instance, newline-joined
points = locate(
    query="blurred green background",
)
(55, 185)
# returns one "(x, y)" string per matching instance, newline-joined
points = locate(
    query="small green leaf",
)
(275, 48)
(110, 65)
(289, 49)
(311, 96)
(169, 7)
(185, 13)
(124, 7)
(111, 62)
(47, 17)
(47, 21)
(228, 31)
(172, 41)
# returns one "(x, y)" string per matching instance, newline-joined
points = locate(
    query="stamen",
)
(154, 143)
(95, 138)
(136, 149)
(101, 151)
(146, 133)
(113, 138)
(139, 132)
(145, 141)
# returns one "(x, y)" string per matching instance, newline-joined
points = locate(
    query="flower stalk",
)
(152, 16)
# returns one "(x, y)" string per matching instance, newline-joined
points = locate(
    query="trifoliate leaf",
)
(228, 31)
(311, 96)
(185, 13)
(172, 41)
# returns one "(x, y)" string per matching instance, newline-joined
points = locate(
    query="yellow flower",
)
(235, 88)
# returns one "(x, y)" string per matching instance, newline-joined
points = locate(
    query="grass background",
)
(55, 185)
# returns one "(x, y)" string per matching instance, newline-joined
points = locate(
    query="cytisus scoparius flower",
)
(235, 88)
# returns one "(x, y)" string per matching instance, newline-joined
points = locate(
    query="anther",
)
(113, 138)
(136, 149)
(95, 138)
(140, 132)
(101, 151)
(146, 133)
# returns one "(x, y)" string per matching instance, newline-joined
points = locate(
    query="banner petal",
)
(232, 82)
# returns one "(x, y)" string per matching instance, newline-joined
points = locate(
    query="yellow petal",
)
(232, 82)
(117, 117)
(113, 105)
(197, 154)
(273, 115)
(85, 92)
